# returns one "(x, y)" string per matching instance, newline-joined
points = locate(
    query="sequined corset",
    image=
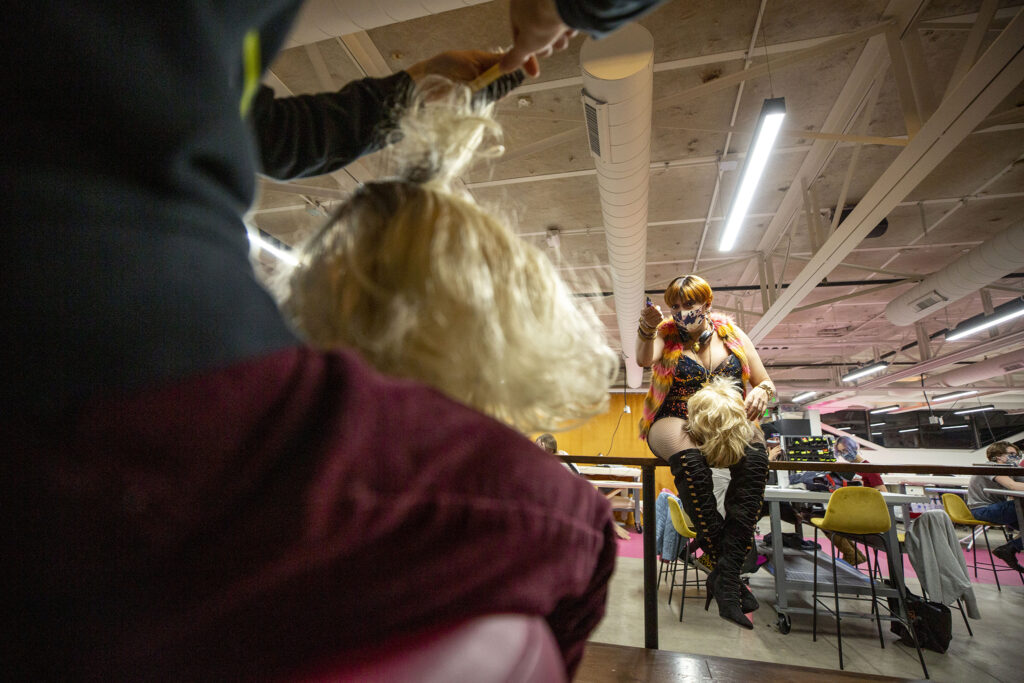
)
(689, 377)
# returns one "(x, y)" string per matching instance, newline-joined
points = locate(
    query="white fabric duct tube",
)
(618, 80)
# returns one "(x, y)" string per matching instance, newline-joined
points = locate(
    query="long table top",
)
(805, 496)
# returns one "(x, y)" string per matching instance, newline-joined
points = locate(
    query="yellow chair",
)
(860, 514)
(681, 523)
(958, 511)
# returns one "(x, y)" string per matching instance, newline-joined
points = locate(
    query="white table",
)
(1018, 503)
(851, 580)
(611, 488)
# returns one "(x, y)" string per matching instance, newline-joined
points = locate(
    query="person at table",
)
(848, 450)
(686, 351)
(990, 507)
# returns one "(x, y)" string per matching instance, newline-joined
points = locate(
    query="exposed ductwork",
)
(618, 86)
(985, 264)
(323, 19)
(975, 372)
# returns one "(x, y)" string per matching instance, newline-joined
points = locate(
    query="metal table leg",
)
(779, 563)
(650, 573)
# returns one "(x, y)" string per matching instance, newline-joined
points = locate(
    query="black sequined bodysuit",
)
(689, 377)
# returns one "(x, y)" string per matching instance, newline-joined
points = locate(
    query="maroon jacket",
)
(248, 522)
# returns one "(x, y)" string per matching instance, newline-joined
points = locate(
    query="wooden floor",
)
(607, 663)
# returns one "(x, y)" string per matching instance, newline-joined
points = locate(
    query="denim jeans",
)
(999, 513)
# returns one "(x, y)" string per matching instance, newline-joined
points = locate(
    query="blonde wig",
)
(425, 284)
(718, 422)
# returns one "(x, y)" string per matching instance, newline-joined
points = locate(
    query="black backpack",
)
(932, 622)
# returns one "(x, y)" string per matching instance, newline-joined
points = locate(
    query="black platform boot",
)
(743, 502)
(697, 495)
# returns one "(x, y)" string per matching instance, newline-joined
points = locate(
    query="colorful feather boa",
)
(663, 370)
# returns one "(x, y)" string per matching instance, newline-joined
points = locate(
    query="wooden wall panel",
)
(596, 436)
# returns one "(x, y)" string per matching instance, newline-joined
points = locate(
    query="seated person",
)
(847, 450)
(994, 508)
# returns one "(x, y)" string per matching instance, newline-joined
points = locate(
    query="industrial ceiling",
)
(907, 111)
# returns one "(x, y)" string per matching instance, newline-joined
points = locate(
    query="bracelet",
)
(647, 336)
(768, 387)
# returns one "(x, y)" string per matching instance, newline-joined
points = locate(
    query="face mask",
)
(1013, 459)
(690, 318)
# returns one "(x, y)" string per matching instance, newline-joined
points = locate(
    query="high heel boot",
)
(742, 505)
(697, 495)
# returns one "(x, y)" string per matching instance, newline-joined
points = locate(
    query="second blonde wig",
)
(718, 422)
(427, 285)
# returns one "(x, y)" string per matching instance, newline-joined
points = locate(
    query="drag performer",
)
(686, 352)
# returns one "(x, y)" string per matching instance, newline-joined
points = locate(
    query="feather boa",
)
(663, 370)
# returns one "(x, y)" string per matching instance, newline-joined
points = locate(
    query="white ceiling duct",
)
(323, 19)
(983, 265)
(618, 83)
(975, 372)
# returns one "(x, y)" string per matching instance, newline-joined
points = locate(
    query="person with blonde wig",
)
(698, 415)
(425, 284)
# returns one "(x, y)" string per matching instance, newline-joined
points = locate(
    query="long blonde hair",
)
(718, 422)
(425, 284)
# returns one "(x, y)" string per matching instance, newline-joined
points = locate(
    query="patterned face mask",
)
(1013, 458)
(689, 317)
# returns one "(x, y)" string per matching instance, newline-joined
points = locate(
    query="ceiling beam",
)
(828, 47)
(988, 83)
(999, 344)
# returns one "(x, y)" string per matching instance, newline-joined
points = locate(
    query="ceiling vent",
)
(833, 331)
(929, 300)
(1001, 255)
(596, 114)
(1013, 367)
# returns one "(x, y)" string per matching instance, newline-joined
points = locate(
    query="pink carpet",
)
(634, 547)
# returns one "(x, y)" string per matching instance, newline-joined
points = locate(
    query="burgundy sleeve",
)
(250, 522)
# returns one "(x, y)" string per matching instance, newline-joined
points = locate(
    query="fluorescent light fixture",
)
(886, 409)
(865, 371)
(1001, 314)
(844, 429)
(954, 396)
(277, 252)
(978, 409)
(908, 430)
(804, 396)
(876, 433)
(956, 426)
(773, 111)
(877, 424)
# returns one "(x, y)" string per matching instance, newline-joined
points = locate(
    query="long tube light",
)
(877, 424)
(953, 396)
(773, 111)
(885, 409)
(956, 426)
(865, 371)
(1001, 314)
(908, 430)
(804, 396)
(978, 409)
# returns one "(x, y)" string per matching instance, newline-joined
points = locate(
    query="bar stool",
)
(859, 513)
(682, 526)
(958, 511)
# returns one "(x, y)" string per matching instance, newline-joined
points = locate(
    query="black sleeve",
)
(310, 135)
(598, 17)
